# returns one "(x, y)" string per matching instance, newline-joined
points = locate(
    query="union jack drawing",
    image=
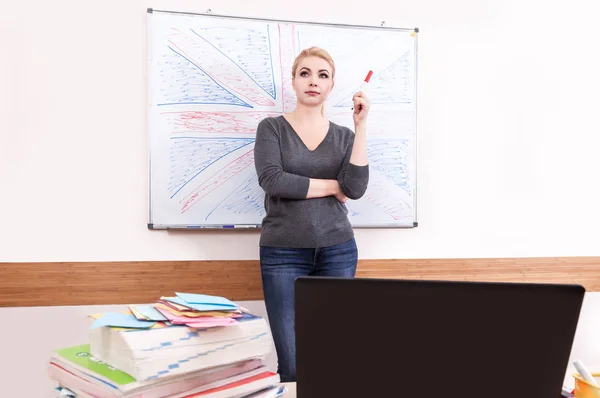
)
(213, 80)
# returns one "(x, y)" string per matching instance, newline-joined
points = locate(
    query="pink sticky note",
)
(212, 323)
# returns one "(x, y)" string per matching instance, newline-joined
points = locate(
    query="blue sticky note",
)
(200, 307)
(150, 312)
(117, 319)
(205, 299)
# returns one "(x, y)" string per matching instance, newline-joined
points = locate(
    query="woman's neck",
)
(307, 115)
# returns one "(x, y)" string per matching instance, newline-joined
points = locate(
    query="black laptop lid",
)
(400, 338)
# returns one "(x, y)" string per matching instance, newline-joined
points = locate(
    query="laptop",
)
(432, 339)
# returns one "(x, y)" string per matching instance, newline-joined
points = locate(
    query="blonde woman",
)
(308, 168)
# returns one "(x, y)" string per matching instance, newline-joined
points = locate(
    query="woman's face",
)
(312, 82)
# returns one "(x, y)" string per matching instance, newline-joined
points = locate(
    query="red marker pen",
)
(365, 81)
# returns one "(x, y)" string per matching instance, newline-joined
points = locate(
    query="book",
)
(77, 370)
(147, 354)
(255, 386)
(239, 389)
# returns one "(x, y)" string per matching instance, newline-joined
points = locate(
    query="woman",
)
(308, 168)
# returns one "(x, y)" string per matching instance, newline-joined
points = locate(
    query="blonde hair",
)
(314, 52)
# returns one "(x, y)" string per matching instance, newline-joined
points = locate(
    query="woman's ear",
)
(294, 83)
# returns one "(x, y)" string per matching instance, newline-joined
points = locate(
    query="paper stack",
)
(189, 345)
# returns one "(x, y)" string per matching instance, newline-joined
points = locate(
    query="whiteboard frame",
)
(151, 11)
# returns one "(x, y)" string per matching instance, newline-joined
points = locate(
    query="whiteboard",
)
(211, 79)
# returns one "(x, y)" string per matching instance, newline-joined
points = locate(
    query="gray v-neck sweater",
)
(284, 166)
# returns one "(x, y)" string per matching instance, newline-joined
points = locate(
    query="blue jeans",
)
(279, 268)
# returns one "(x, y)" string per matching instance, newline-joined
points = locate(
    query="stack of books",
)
(181, 347)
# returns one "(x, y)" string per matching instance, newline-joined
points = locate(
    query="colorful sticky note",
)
(199, 307)
(148, 312)
(205, 299)
(208, 320)
(135, 313)
(197, 314)
(118, 319)
(213, 323)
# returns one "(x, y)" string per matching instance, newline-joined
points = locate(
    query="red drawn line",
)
(218, 171)
(209, 186)
(214, 77)
(244, 112)
(216, 122)
(222, 83)
(377, 199)
(254, 91)
(377, 202)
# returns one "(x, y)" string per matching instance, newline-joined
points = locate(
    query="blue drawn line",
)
(219, 204)
(211, 78)
(201, 89)
(190, 85)
(238, 193)
(386, 156)
(271, 59)
(256, 50)
(236, 64)
(214, 150)
(208, 165)
(190, 156)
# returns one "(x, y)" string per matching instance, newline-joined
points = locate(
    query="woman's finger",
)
(359, 101)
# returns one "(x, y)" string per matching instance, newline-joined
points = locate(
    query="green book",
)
(80, 356)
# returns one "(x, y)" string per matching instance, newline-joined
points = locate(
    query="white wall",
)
(508, 130)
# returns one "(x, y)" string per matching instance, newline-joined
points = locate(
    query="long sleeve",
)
(269, 168)
(353, 179)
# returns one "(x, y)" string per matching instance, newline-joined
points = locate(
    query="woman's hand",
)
(361, 108)
(318, 188)
(341, 197)
(338, 193)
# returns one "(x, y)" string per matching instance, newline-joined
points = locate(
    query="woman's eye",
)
(303, 74)
(324, 75)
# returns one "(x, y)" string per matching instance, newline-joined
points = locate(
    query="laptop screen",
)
(401, 338)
